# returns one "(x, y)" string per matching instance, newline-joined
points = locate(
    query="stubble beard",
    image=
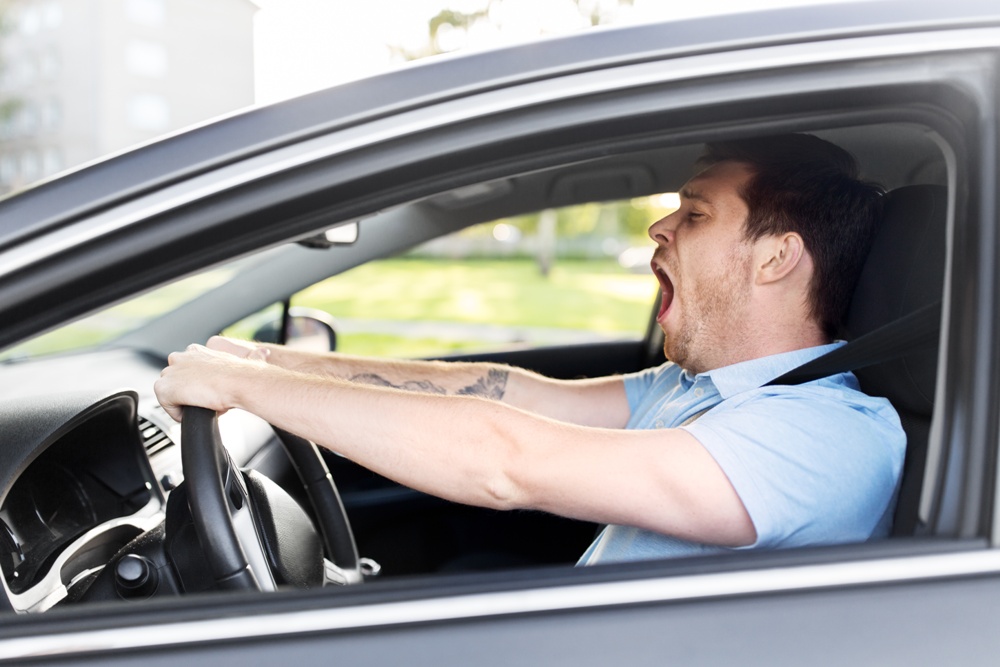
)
(714, 322)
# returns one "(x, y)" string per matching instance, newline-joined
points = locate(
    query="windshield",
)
(107, 325)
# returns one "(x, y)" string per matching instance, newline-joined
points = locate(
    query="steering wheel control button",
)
(169, 482)
(135, 577)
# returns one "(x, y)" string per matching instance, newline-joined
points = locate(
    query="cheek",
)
(708, 270)
(698, 260)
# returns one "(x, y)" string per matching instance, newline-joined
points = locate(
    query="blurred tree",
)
(449, 28)
(600, 12)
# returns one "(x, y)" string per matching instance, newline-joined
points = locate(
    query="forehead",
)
(719, 186)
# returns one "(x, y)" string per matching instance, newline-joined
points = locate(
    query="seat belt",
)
(911, 333)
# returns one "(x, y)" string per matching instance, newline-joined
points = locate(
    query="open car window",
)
(572, 275)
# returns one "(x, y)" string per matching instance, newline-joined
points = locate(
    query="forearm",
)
(449, 446)
(587, 402)
(432, 377)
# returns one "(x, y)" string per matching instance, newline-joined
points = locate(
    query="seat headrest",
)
(904, 271)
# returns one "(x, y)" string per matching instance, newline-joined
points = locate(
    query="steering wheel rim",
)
(209, 471)
(334, 526)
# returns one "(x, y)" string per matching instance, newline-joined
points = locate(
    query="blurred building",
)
(92, 77)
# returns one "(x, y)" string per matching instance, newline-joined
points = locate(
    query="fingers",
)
(239, 348)
(197, 376)
(208, 376)
(163, 388)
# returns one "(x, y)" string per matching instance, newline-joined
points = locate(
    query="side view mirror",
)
(304, 329)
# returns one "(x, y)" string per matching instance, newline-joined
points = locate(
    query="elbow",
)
(504, 485)
(502, 493)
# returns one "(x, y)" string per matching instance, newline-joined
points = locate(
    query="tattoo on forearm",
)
(493, 385)
(423, 386)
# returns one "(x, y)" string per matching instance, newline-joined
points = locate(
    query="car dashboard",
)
(85, 489)
(86, 469)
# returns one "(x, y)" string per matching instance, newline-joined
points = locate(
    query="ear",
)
(777, 256)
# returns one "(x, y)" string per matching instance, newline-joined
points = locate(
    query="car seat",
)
(904, 272)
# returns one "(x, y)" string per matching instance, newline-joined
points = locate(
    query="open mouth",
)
(666, 289)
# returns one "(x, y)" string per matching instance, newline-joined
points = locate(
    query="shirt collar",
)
(731, 380)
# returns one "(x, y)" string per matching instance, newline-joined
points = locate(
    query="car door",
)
(930, 597)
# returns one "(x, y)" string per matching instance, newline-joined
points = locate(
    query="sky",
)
(306, 45)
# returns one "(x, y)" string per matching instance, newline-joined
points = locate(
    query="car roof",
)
(111, 181)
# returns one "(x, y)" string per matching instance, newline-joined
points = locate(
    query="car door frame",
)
(774, 607)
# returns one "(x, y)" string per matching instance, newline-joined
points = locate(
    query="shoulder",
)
(827, 420)
(822, 401)
(821, 457)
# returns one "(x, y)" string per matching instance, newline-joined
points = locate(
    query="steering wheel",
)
(253, 534)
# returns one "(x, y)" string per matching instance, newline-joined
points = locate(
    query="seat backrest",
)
(904, 271)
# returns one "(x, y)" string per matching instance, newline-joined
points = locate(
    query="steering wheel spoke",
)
(334, 575)
(258, 538)
(244, 525)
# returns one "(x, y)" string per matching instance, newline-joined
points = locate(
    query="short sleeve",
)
(812, 464)
(637, 385)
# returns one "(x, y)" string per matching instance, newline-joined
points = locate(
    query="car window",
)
(577, 274)
(108, 324)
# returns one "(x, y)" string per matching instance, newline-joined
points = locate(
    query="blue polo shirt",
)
(815, 463)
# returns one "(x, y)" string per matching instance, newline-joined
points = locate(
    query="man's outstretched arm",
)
(591, 402)
(477, 451)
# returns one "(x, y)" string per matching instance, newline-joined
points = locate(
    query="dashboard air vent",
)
(153, 437)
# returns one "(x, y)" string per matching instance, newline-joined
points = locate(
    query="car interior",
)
(406, 532)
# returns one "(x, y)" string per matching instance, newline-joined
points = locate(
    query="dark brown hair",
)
(809, 186)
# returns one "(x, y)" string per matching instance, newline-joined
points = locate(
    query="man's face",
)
(704, 265)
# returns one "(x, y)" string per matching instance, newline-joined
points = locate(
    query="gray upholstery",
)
(904, 271)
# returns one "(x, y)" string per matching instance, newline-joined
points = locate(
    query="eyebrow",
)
(689, 193)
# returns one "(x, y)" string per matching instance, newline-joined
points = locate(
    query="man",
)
(756, 267)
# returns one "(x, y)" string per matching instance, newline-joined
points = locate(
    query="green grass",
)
(577, 295)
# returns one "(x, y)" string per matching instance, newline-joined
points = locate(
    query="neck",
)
(762, 333)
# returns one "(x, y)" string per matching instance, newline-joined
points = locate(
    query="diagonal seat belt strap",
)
(914, 332)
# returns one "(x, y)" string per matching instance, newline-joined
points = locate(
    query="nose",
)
(662, 231)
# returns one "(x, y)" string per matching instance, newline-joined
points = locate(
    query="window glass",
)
(31, 21)
(28, 119)
(52, 14)
(26, 70)
(146, 12)
(50, 114)
(52, 161)
(146, 58)
(8, 168)
(48, 65)
(112, 322)
(148, 111)
(30, 165)
(574, 275)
